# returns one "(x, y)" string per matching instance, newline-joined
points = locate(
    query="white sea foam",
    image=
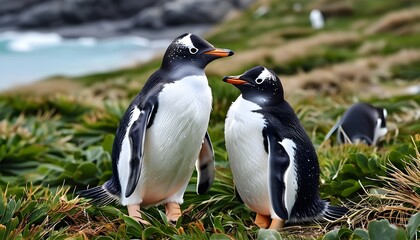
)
(27, 56)
(29, 41)
(87, 41)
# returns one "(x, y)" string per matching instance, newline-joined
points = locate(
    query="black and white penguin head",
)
(362, 123)
(190, 49)
(378, 116)
(258, 85)
(381, 128)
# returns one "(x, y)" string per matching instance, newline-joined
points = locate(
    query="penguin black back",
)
(293, 168)
(149, 130)
(362, 123)
(189, 51)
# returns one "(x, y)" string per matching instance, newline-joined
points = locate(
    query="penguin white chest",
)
(247, 156)
(172, 143)
(174, 140)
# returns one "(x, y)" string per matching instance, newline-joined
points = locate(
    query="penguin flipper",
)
(137, 135)
(279, 161)
(333, 129)
(205, 166)
(99, 195)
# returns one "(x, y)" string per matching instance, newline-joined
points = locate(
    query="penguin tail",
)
(333, 213)
(98, 195)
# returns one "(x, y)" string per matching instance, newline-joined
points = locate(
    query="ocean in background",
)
(29, 56)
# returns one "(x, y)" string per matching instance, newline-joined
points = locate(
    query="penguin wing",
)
(137, 135)
(333, 129)
(205, 166)
(278, 164)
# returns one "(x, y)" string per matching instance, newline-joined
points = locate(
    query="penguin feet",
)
(262, 221)
(173, 211)
(134, 212)
(277, 224)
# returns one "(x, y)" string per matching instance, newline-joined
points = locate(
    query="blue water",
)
(27, 57)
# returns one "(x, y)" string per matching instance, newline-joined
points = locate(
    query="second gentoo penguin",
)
(163, 134)
(274, 164)
(361, 123)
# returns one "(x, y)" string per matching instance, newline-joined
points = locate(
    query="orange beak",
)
(234, 80)
(220, 52)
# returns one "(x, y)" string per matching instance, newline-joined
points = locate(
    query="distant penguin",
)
(317, 19)
(361, 123)
(163, 134)
(274, 164)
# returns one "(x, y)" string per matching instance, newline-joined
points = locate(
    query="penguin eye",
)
(193, 50)
(259, 80)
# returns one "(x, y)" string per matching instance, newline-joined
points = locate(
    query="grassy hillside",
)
(56, 136)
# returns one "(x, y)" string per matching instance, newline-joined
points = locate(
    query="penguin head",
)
(258, 85)
(381, 128)
(382, 113)
(191, 50)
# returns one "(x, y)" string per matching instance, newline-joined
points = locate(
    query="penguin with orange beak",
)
(274, 164)
(163, 134)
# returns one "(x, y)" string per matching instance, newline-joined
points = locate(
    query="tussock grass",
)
(334, 8)
(284, 53)
(396, 201)
(348, 77)
(53, 144)
(394, 20)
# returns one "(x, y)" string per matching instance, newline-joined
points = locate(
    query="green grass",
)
(127, 73)
(322, 57)
(54, 145)
(408, 72)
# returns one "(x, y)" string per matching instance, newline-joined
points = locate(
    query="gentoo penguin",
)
(274, 164)
(163, 134)
(361, 123)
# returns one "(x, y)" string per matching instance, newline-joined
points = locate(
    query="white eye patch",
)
(193, 50)
(259, 80)
(265, 74)
(186, 42)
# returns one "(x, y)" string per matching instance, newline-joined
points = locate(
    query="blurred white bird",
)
(261, 11)
(297, 7)
(317, 20)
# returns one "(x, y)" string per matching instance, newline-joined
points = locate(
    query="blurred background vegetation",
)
(56, 135)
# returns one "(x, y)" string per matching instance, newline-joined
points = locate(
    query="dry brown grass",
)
(351, 76)
(371, 47)
(409, 29)
(282, 53)
(301, 47)
(273, 38)
(47, 87)
(334, 8)
(394, 20)
(396, 201)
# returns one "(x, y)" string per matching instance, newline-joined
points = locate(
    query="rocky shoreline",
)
(108, 29)
(105, 18)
